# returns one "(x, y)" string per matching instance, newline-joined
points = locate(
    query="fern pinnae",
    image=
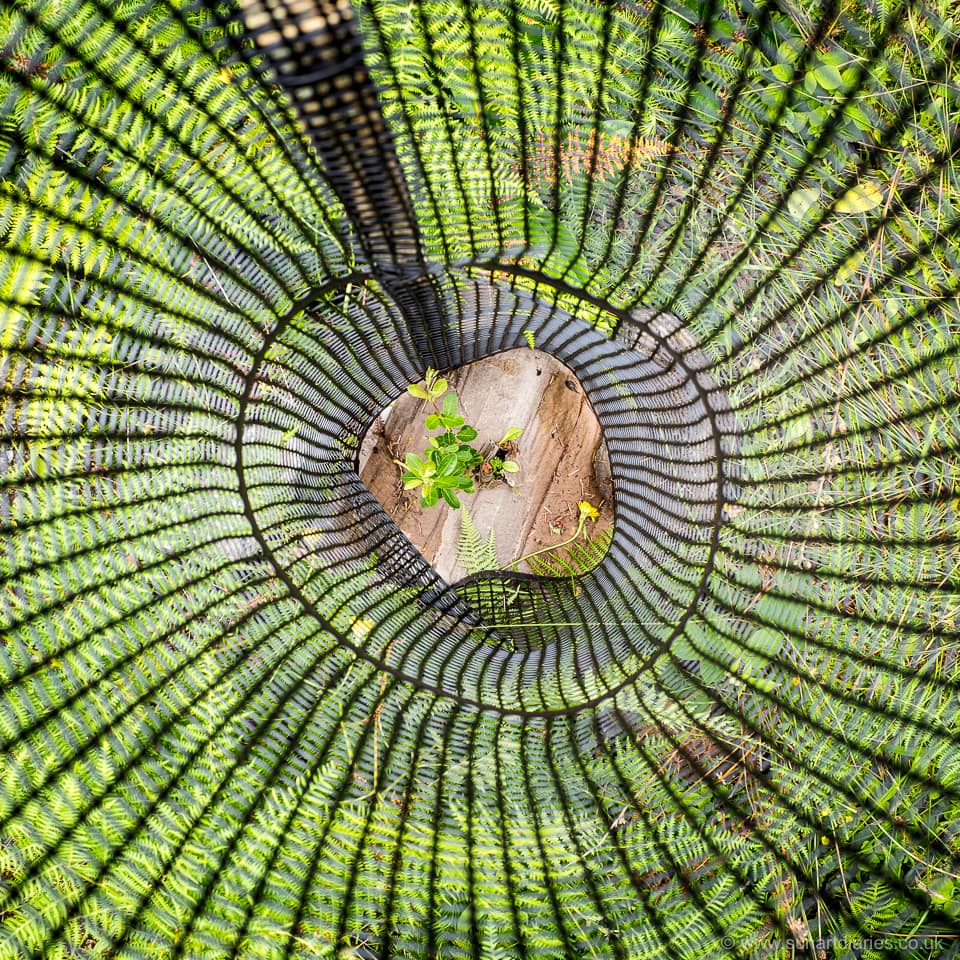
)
(474, 553)
(576, 560)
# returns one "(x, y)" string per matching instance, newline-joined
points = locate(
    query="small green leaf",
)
(860, 199)
(783, 72)
(510, 466)
(414, 463)
(449, 404)
(432, 422)
(849, 267)
(467, 434)
(802, 201)
(438, 389)
(796, 122)
(410, 483)
(511, 434)
(616, 128)
(798, 430)
(859, 117)
(942, 890)
(448, 465)
(828, 76)
(451, 422)
(451, 498)
(791, 49)
(415, 390)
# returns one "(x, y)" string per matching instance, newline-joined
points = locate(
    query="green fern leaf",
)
(474, 553)
(576, 560)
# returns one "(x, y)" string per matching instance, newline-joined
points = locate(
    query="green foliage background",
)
(198, 766)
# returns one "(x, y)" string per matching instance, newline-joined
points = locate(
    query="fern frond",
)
(474, 553)
(574, 561)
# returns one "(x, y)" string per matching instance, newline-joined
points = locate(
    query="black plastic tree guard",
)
(242, 716)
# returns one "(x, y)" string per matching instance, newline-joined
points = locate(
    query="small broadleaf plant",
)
(449, 463)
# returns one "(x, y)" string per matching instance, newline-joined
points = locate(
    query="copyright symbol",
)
(727, 943)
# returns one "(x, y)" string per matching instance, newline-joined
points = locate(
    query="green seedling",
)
(449, 463)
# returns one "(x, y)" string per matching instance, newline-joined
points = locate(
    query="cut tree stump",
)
(561, 455)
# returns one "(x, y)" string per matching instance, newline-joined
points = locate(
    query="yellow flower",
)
(587, 510)
(361, 626)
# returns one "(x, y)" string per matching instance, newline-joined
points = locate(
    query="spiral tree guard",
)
(243, 716)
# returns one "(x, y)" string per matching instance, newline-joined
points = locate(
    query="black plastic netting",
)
(242, 715)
